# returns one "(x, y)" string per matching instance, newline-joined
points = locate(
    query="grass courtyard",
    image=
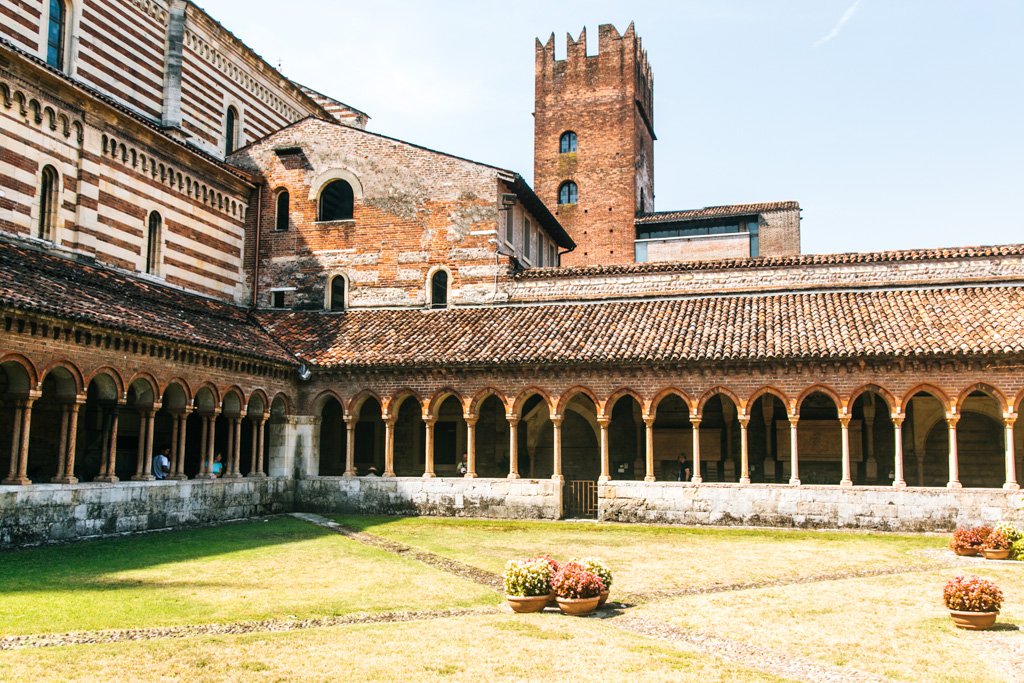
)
(285, 599)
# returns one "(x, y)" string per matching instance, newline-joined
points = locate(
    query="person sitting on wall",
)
(685, 468)
(218, 466)
(161, 465)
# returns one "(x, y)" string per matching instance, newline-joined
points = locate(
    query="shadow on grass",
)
(82, 565)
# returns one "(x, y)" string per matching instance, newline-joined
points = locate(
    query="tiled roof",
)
(778, 262)
(41, 282)
(714, 212)
(958, 322)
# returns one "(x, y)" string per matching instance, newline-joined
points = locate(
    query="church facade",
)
(205, 259)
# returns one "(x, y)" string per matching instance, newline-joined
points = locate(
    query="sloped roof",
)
(715, 212)
(46, 283)
(902, 323)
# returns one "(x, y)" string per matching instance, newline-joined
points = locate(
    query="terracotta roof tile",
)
(715, 212)
(954, 322)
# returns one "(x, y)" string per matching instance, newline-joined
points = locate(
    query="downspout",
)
(256, 246)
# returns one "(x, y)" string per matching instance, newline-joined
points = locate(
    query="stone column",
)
(62, 446)
(68, 475)
(350, 446)
(389, 447)
(18, 474)
(109, 472)
(649, 448)
(182, 433)
(229, 461)
(205, 446)
(768, 416)
(429, 422)
(147, 465)
(175, 428)
(844, 423)
(1011, 464)
(12, 471)
(261, 469)
(233, 470)
(212, 447)
(868, 447)
(140, 449)
(695, 424)
(954, 463)
(603, 423)
(794, 462)
(897, 425)
(470, 446)
(556, 447)
(744, 421)
(513, 446)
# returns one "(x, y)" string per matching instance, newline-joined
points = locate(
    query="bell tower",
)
(594, 142)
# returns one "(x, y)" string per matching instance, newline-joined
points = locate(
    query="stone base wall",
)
(442, 497)
(832, 507)
(52, 513)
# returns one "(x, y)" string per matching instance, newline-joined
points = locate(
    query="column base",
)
(470, 475)
(650, 479)
(429, 475)
(954, 485)
(390, 475)
(205, 476)
(107, 480)
(513, 475)
(348, 475)
(178, 477)
(143, 477)
(899, 484)
(794, 482)
(64, 480)
(697, 480)
(846, 483)
(258, 475)
(557, 477)
(1011, 486)
(232, 476)
(603, 478)
(17, 482)
(744, 480)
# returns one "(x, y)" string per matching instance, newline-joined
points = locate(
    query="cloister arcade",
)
(869, 437)
(58, 426)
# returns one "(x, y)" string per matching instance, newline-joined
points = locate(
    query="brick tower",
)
(607, 101)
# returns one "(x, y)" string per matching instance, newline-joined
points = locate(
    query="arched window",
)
(281, 217)
(568, 142)
(230, 131)
(568, 193)
(439, 289)
(49, 202)
(336, 201)
(56, 32)
(154, 241)
(337, 302)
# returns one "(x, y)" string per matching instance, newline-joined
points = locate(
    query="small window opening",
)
(337, 202)
(281, 217)
(510, 226)
(527, 237)
(567, 144)
(55, 34)
(277, 299)
(439, 289)
(568, 193)
(154, 241)
(49, 201)
(755, 238)
(230, 131)
(337, 293)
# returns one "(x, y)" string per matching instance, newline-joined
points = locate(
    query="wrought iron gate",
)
(581, 501)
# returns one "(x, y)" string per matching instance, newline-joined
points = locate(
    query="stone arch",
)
(176, 397)
(609, 403)
(70, 368)
(66, 378)
(987, 389)
(183, 385)
(723, 391)
(1018, 402)
(433, 405)
(355, 404)
(432, 301)
(481, 396)
(329, 292)
(572, 392)
(925, 388)
(523, 396)
(665, 393)
(330, 434)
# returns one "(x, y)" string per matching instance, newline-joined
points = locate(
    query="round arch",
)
(481, 396)
(31, 374)
(720, 391)
(890, 401)
(70, 368)
(329, 176)
(572, 392)
(767, 390)
(931, 389)
(671, 391)
(395, 401)
(825, 390)
(435, 402)
(609, 403)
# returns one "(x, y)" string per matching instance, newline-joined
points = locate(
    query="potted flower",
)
(973, 602)
(555, 566)
(578, 589)
(602, 570)
(969, 540)
(527, 585)
(1014, 536)
(997, 546)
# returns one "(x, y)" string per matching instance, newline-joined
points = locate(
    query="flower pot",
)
(966, 552)
(603, 598)
(524, 604)
(578, 607)
(993, 554)
(973, 621)
(552, 600)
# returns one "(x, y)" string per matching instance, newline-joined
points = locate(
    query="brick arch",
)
(434, 403)
(355, 404)
(262, 396)
(71, 368)
(993, 393)
(820, 389)
(571, 393)
(114, 376)
(238, 394)
(741, 407)
(610, 402)
(482, 395)
(289, 405)
(767, 390)
(670, 391)
(181, 382)
(212, 389)
(395, 401)
(318, 403)
(1018, 401)
(890, 401)
(27, 365)
(925, 388)
(154, 384)
(523, 396)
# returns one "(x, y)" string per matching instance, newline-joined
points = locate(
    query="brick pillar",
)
(649, 448)
(899, 481)
(744, 421)
(428, 471)
(1011, 464)
(389, 447)
(844, 423)
(603, 423)
(794, 461)
(556, 447)
(470, 446)
(68, 476)
(954, 462)
(695, 424)
(350, 445)
(513, 447)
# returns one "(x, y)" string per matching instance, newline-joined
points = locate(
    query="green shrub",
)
(527, 578)
(1017, 550)
(1011, 532)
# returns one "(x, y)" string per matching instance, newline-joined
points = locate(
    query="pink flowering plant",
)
(527, 578)
(597, 566)
(574, 581)
(969, 538)
(997, 540)
(972, 594)
(555, 564)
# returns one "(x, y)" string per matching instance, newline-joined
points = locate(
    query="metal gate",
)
(581, 501)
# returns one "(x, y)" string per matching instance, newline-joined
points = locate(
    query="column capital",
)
(512, 419)
(350, 420)
(603, 422)
(649, 420)
(844, 420)
(470, 420)
(952, 420)
(1009, 420)
(744, 421)
(557, 419)
(695, 421)
(429, 420)
(897, 420)
(793, 419)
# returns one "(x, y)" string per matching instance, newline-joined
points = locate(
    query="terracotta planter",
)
(578, 607)
(524, 604)
(966, 552)
(973, 621)
(604, 599)
(993, 554)
(552, 600)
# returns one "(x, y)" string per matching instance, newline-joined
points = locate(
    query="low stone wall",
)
(442, 497)
(49, 513)
(880, 508)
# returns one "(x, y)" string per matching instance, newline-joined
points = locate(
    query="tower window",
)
(510, 226)
(49, 201)
(439, 289)
(154, 241)
(282, 208)
(337, 293)
(336, 202)
(56, 31)
(568, 193)
(230, 131)
(527, 237)
(567, 144)
(753, 228)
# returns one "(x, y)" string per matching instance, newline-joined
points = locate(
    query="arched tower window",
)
(56, 34)
(568, 193)
(282, 208)
(567, 144)
(49, 202)
(337, 294)
(336, 201)
(154, 242)
(231, 131)
(439, 289)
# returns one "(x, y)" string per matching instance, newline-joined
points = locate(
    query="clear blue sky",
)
(895, 123)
